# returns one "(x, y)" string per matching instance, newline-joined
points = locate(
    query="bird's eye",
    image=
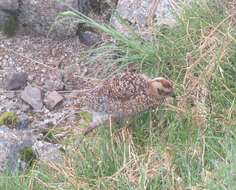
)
(161, 92)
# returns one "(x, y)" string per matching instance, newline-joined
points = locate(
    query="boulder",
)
(11, 144)
(144, 14)
(41, 16)
(48, 152)
(10, 5)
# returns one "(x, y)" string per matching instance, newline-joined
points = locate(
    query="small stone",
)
(16, 81)
(43, 70)
(54, 82)
(53, 99)
(32, 96)
(25, 107)
(23, 124)
(53, 85)
(22, 165)
(89, 38)
(30, 77)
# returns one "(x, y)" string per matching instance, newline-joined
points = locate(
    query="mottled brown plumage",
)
(125, 94)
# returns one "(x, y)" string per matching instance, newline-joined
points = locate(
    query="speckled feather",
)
(122, 95)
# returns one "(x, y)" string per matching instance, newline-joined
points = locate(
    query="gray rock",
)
(16, 81)
(10, 5)
(85, 6)
(41, 16)
(54, 81)
(22, 124)
(89, 38)
(51, 84)
(8, 13)
(11, 143)
(52, 118)
(32, 96)
(3, 18)
(96, 7)
(48, 152)
(53, 99)
(142, 14)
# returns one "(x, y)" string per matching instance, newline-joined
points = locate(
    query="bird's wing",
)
(125, 86)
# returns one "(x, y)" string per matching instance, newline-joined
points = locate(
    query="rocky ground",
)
(33, 68)
(35, 74)
(38, 67)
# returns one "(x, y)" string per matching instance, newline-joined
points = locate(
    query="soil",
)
(50, 65)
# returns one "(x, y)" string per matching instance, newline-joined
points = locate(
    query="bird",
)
(124, 94)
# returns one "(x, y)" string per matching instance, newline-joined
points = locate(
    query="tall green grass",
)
(166, 148)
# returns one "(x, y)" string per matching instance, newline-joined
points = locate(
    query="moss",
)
(27, 155)
(8, 118)
(10, 26)
(86, 117)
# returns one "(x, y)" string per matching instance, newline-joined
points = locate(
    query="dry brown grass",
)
(213, 48)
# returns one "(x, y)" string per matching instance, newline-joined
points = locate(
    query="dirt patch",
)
(50, 65)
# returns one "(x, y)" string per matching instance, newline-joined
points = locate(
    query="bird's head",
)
(161, 87)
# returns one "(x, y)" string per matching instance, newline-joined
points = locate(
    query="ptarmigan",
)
(123, 95)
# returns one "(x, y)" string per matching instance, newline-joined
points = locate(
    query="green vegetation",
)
(8, 118)
(27, 155)
(189, 143)
(10, 26)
